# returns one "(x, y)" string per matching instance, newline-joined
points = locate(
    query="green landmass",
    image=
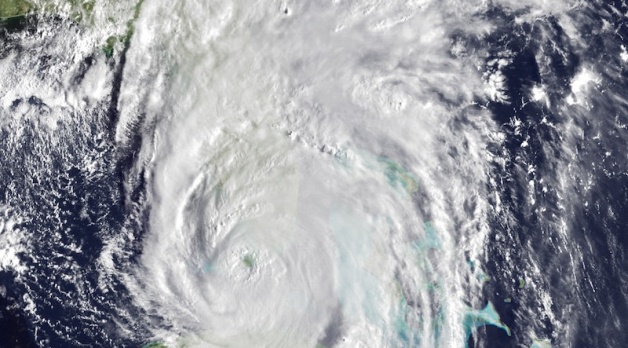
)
(79, 9)
(125, 39)
(80, 12)
(218, 192)
(155, 345)
(109, 46)
(248, 261)
(13, 8)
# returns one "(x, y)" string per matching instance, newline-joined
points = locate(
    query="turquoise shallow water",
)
(313, 174)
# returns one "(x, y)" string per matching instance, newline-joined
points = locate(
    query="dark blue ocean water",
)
(584, 271)
(579, 242)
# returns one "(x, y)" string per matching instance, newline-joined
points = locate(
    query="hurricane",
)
(323, 173)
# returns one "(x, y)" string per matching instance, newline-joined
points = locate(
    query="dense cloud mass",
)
(320, 173)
